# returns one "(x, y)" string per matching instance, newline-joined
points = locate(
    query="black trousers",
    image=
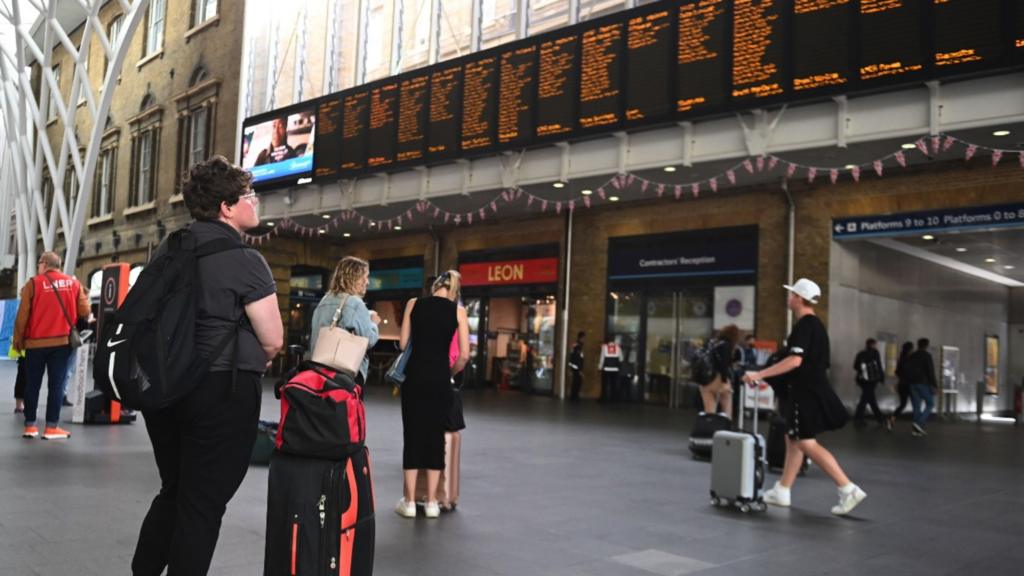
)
(19, 380)
(202, 447)
(904, 391)
(577, 382)
(609, 386)
(867, 398)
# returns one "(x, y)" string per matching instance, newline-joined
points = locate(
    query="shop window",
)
(548, 14)
(498, 22)
(155, 18)
(103, 189)
(416, 19)
(203, 10)
(456, 28)
(379, 37)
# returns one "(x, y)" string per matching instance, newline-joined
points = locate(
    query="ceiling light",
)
(372, 224)
(559, 184)
(990, 260)
(271, 224)
(397, 227)
(321, 231)
(928, 237)
(1001, 133)
(851, 166)
(347, 235)
(1009, 267)
(586, 192)
(326, 216)
(961, 250)
(613, 198)
(670, 168)
(909, 146)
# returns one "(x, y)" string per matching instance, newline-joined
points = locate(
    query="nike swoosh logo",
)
(112, 343)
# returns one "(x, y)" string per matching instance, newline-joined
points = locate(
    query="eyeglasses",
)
(251, 197)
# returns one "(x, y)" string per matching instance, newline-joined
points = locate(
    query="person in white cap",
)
(810, 406)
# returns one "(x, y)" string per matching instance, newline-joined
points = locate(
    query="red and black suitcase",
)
(320, 516)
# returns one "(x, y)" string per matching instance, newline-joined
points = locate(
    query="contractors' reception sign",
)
(510, 272)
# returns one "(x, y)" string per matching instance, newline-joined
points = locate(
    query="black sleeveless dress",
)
(427, 391)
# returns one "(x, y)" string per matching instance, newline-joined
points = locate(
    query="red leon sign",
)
(536, 271)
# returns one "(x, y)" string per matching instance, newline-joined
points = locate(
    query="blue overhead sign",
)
(949, 220)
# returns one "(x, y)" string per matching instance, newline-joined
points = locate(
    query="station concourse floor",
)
(553, 489)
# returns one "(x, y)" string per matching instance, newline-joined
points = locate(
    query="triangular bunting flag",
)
(773, 161)
(482, 213)
(997, 155)
(616, 182)
(494, 207)
(643, 186)
(586, 199)
(600, 192)
(901, 159)
(760, 163)
(936, 142)
(948, 143)
(678, 191)
(529, 201)
(922, 146)
(695, 189)
(833, 175)
(399, 220)
(791, 170)
(630, 179)
(970, 152)
(731, 175)
(437, 212)
(713, 183)
(661, 190)
(469, 218)
(572, 205)
(543, 205)
(749, 166)
(878, 167)
(558, 207)
(1021, 158)
(855, 171)
(812, 173)
(446, 217)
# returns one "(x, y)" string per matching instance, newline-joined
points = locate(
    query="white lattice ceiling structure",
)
(32, 30)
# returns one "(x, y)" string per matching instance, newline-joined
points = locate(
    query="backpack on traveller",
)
(146, 357)
(702, 365)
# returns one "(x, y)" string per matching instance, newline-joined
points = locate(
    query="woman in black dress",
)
(810, 406)
(431, 323)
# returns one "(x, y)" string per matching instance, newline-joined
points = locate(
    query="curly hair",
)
(730, 333)
(347, 273)
(212, 182)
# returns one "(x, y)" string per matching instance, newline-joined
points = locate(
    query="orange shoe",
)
(55, 433)
(30, 432)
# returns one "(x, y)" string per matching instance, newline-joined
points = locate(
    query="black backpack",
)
(702, 365)
(146, 357)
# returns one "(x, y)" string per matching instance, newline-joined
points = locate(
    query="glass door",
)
(474, 375)
(624, 326)
(659, 347)
(540, 336)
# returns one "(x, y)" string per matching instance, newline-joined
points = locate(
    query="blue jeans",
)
(53, 361)
(922, 394)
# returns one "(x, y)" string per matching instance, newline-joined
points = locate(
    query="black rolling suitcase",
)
(320, 516)
(704, 429)
(776, 451)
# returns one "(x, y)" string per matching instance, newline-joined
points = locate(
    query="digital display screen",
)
(662, 62)
(278, 148)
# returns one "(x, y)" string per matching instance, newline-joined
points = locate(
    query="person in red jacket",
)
(51, 303)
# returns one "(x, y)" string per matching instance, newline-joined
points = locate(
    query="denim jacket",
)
(355, 317)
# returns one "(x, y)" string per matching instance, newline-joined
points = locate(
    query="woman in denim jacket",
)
(351, 277)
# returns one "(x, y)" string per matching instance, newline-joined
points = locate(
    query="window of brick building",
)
(113, 33)
(196, 112)
(155, 18)
(52, 115)
(203, 10)
(145, 138)
(103, 189)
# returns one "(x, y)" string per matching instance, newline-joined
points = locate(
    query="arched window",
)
(198, 75)
(147, 101)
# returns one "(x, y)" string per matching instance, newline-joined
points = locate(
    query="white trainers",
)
(849, 500)
(920, 431)
(777, 495)
(432, 509)
(405, 509)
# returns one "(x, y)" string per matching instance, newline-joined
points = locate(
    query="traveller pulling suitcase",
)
(738, 467)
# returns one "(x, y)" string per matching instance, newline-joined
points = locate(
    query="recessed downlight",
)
(321, 231)
(397, 227)
(347, 234)
(559, 184)
(990, 260)
(961, 250)
(909, 146)
(271, 224)
(1001, 133)
(928, 237)
(851, 166)
(1009, 267)
(613, 198)
(586, 192)
(669, 168)
(326, 216)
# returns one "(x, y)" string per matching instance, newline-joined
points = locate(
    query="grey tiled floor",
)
(552, 489)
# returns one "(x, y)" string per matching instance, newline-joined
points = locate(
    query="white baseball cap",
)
(805, 289)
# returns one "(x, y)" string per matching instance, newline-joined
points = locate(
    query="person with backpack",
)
(50, 305)
(347, 289)
(717, 392)
(202, 440)
(810, 406)
(902, 385)
(868, 367)
(609, 364)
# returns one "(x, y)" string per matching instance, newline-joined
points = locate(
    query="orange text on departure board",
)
(753, 25)
(596, 82)
(516, 78)
(477, 84)
(556, 61)
(411, 98)
(643, 31)
(693, 41)
(382, 117)
(442, 86)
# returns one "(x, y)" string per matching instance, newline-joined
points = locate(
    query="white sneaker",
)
(849, 500)
(432, 509)
(921, 431)
(777, 496)
(405, 509)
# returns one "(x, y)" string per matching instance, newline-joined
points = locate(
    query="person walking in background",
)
(868, 366)
(346, 292)
(609, 364)
(919, 371)
(430, 323)
(718, 392)
(203, 441)
(51, 303)
(811, 406)
(576, 366)
(902, 386)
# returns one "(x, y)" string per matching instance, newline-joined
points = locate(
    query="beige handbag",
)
(339, 349)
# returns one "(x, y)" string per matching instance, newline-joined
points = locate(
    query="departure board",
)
(412, 118)
(479, 88)
(443, 115)
(649, 45)
(600, 70)
(891, 38)
(666, 61)
(383, 120)
(701, 48)
(967, 32)
(821, 43)
(518, 81)
(557, 85)
(327, 155)
(758, 69)
(355, 118)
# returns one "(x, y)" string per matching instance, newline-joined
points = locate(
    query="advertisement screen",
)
(279, 148)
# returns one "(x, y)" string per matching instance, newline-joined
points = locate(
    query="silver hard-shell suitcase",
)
(738, 467)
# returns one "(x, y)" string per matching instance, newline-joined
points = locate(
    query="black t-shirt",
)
(809, 340)
(228, 281)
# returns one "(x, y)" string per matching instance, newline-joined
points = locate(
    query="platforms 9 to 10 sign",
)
(659, 63)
